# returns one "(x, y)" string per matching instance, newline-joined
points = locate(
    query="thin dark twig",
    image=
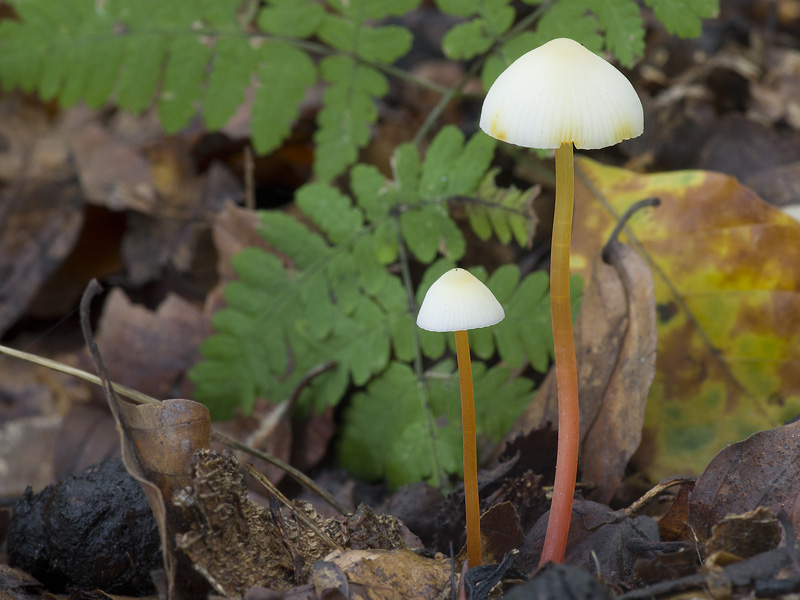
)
(623, 220)
(262, 479)
(89, 293)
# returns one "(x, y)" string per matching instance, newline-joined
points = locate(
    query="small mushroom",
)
(459, 301)
(557, 95)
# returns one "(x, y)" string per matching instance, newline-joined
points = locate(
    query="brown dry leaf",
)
(86, 437)
(501, 532)
(236, 544)
(392, 574)
(112, 173)
(761, 471)
(775, 95)
(769, 162)
(150, 351)
(158, 442)
(615, 338)
(600, 541)
(31, 147)
(311, 439)
(29, 424)
(745, 535)
(673, 524)
(39, 225)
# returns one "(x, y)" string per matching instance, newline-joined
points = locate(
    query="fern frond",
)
(504, 212)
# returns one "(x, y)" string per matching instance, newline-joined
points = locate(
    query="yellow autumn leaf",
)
(726, 267)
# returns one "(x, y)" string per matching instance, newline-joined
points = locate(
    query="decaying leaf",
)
(39, 225)
(615, 341)
(600, 541)
(561, 581)
(761, 471)
(727, 300)
(391, 574)
(150, 351)
(501, 532)
(745, 535)
(236, 544)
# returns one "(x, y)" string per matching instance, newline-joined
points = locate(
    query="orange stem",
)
(555, 541)
(470, 450)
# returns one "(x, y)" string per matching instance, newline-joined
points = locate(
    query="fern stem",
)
(447, 97)
(468, 435)
(555, 542)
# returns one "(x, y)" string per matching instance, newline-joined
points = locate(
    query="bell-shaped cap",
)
(458, 301)
(562, 92)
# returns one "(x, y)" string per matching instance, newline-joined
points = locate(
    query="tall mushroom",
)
(557, 95)
(459, 301)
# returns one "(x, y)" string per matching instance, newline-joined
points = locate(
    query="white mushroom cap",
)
(562, 92)
(458, 301)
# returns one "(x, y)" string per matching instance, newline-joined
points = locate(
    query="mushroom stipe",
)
(556, 96)
(456, 302)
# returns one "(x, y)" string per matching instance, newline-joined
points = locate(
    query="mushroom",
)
(459, 301)
(557, 95)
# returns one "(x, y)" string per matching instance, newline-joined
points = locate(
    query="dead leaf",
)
(236, 544)
(600, 541)
(673, 524)
(500, 532)
(150, 351)
(761, 471)
(768, 162)
(727, 301)
(86, 436)
(775, 94)
(392, 574)
(232, 542)
(564, 582)
(745, 535)
(615, 341)
(31, 147)
(39, 225)
(113, 173)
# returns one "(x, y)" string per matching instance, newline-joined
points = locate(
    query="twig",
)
(217, 436)
(120, 389)
(262, 479)
(297, 475)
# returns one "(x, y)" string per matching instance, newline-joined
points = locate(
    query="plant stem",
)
(470, 450)
(555, 542)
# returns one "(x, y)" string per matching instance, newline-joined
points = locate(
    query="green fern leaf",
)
(410, 457)
(467, 40)
(624, 28)
(190, 52)
(570, 19)
(233, 66)
(684, 17)
(506, 212)
(459, 8)
(376, 419)
(182, 84)
(331, 210)
(292, 18)
(369, 10)
(453, 168)
(349, 110)
(499, 397)
(284, 74)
